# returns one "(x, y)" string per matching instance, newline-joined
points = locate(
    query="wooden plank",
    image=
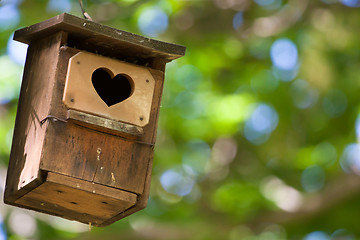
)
(143, 198)
(77, 199)
(86, 93)
(104, 124)
(89, 35)
(34, 105)
(91, 187)
(83, 153)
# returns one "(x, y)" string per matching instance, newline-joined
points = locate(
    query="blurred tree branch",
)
(280, 21)
(338, 191)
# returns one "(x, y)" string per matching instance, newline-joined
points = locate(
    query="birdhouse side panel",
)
(34, 105)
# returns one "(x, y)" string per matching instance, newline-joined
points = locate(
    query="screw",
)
(72, 100)
(78, 62)
(141, 118)
(147, 80)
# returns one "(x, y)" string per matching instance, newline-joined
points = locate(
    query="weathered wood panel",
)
(91, 36)
(77, 199)
(105, 125)
(143, 198)
(34, 105)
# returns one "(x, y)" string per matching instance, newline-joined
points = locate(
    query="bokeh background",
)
(259, 130)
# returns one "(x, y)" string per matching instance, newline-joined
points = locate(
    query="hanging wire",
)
(85, 14)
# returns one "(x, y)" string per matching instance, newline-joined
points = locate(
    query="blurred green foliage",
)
(259, 127)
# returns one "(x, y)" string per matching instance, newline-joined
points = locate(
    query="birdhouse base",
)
(77, 199)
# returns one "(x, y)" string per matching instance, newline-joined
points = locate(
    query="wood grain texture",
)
(86, 35)
(143, 198)
(121, 163)
(105, 125)
(34, 105)
(77, 199)
(80, 93)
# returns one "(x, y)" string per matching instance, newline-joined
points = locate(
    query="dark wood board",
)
(143, 198)
(89, 35)
(77, 199)
(34, 105)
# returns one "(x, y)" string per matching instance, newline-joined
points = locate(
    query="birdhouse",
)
(86, 122)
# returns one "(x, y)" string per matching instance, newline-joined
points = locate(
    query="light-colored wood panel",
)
(80, 93)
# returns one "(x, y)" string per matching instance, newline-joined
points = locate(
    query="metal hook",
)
(85, 14)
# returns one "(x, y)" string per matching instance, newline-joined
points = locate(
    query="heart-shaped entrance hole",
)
(111, 90)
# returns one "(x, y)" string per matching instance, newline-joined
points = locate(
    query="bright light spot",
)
(357, 128)
(264, 2)
(177, 181)
(264, 119)
(269, 4)
(351, 3)
(231, 108)
(302, 94)
(17, 51)
(342, 234)
(330, 1)
(318, 235)
(196, 156)
(3, 235)
(10, 79)
(184, 21)
(153, 21)
(324, 154)
(13, 2)
(335, 103)
(350, 159)
(9, 16)
(313, 178)
(224, 151)
(285, 75)
(141, 224)
(234, 4)
(59, 6)
(285, 197)
(22, 223)
(261, 123)
(265, 26)
(67, 225)
(284, 54)
(238, 20)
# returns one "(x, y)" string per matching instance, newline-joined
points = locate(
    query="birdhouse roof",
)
(95, 37)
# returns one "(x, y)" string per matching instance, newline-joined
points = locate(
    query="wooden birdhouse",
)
(86, 122)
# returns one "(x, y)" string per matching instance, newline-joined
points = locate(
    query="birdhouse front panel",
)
(109, 88)
(86, 124)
